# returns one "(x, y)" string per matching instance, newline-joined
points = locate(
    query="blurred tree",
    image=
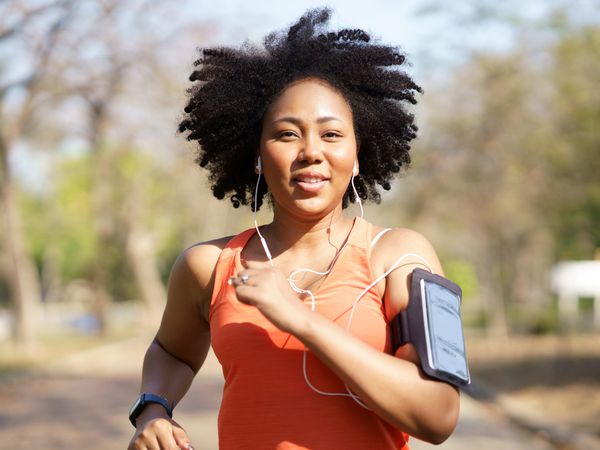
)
(509, 165)
(35, 30)
(574, 152)
(104, 65)
(483, 186)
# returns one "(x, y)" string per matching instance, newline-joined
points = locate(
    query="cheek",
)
(344, 158)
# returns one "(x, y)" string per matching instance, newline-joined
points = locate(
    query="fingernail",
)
(190, 447)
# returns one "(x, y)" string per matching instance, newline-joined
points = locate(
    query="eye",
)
(332, 135)
(287, 135)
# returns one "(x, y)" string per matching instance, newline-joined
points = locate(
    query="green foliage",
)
(60, 222)
(61, 219)
(509, 169)
(574, 153)
(463, 273)
(74, 222)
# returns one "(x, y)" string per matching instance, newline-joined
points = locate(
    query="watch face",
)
(135, 405)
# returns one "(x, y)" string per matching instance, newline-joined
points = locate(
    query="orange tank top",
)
(267, 403)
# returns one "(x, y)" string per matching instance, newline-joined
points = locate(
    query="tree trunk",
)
(103, 211)
(141, 255)
(492, 301)
(21, 272)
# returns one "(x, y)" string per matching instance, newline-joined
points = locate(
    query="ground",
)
(80, 400)
(553, 379)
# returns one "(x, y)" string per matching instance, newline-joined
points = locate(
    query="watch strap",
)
(143, 401)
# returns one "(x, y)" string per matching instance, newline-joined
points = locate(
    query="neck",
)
(287, 232)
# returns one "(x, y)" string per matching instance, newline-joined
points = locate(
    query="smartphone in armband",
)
(432, 323)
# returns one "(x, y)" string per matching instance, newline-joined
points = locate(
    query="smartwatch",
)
(141, 403)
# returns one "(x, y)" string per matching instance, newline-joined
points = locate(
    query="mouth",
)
(309, 177)
(310, 182)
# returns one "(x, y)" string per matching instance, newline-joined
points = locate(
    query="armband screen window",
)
(432, 322)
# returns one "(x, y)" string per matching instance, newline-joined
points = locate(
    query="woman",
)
(298, 310)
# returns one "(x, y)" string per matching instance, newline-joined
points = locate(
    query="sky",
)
(428, 37)
(434, 40)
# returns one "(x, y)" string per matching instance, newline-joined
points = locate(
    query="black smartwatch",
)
(141, 403)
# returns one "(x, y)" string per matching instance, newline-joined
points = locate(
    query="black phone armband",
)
(432, 323)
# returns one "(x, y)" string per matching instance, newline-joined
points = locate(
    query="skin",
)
(308, 152)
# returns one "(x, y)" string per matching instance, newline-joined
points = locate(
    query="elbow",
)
(437, 433)
(438, 423)
(442, 428)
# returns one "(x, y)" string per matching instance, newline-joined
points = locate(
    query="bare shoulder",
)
(407, 243)
(400, 251)
(192, 278)
(197, 262)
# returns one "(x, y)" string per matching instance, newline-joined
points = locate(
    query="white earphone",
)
(355, 169)
(259, 165)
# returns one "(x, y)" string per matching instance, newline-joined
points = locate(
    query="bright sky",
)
(424, 37)
(433, 41)
(387, 18)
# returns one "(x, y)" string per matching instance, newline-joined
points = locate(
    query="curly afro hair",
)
(235, 86)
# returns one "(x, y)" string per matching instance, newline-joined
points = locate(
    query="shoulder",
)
(193, 269)
(397, 253)
(201, 258)
(408, 244)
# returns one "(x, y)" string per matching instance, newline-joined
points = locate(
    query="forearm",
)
(393, 388)
(165, 375)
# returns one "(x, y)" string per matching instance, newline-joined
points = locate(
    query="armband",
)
(432, 323)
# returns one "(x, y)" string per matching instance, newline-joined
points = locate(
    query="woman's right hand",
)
(160, 434)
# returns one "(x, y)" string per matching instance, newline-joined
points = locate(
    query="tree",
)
(19, 99)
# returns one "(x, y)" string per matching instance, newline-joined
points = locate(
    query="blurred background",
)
(99, 194)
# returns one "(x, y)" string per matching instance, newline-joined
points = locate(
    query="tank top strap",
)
(378, 236)
(226, 262)
(239, 241)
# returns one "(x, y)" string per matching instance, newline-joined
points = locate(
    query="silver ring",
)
(244, 279)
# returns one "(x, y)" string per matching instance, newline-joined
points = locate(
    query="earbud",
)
(355, 169)
(258, 165)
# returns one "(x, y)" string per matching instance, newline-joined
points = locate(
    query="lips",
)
(310, 182)
(309, 177)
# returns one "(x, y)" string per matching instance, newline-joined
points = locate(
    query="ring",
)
(244, 279)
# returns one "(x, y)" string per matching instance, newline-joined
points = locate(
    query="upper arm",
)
(415, 251)
(184, 330)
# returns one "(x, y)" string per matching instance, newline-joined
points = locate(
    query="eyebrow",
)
(297, 121)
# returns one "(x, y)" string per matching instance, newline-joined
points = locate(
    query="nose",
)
(310, 151)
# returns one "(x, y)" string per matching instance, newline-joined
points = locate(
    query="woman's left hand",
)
(267, 288)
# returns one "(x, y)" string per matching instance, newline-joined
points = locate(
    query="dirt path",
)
(81, 402)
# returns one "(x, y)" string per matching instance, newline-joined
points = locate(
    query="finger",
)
(182, 439)
(167, 442)
(246, 277)
(164, 435)
(243, 294)
(242, 280)
(145, 442)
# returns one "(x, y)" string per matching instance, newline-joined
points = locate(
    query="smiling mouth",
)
(309, 180)
(310, 183)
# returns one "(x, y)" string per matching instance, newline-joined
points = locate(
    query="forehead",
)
(310, 97)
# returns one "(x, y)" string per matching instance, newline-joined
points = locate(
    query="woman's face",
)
(308, 148)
